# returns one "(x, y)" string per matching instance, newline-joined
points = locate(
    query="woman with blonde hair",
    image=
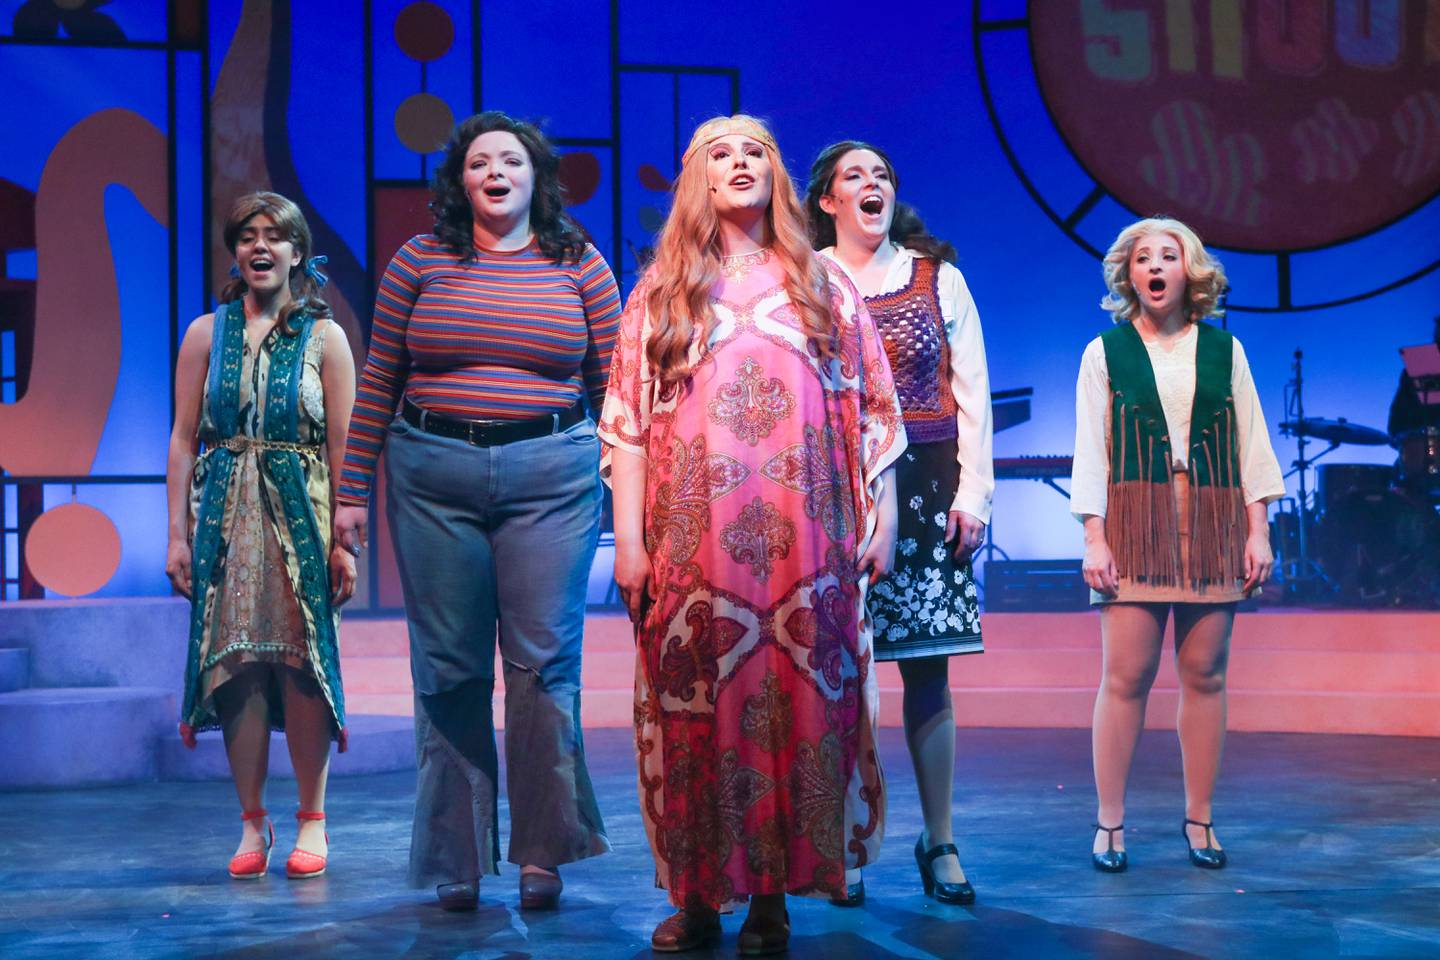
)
(1173, 469)
(750, 431)
(266, 384)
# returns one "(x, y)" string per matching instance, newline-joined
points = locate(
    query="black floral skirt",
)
(928, 606)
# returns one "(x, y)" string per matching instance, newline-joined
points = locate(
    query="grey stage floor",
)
(1335, 847)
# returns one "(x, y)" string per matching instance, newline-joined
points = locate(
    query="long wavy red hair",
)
(687, 257)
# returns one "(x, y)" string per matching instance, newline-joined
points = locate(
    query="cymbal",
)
(1336, 431)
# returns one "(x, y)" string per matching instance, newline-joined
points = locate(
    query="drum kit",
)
(1369, 533)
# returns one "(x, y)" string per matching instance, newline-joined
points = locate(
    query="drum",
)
(1381, 547)
(1420, 459)
(1337, 481)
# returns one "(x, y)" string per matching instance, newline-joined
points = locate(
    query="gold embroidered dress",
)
(260, 509)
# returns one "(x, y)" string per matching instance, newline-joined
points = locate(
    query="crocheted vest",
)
(1141, 520)
(913, 330)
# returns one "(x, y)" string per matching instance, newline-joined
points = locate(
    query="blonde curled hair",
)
(687, 256)
(1204, 276)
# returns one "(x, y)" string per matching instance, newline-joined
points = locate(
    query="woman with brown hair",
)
(928, 609)
(750, 431)
(266, 384)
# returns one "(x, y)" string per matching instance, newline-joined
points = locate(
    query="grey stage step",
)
(74, 736)
(14, 668)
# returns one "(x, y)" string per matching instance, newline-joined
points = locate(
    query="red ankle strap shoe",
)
(254, 864)
(302, 864)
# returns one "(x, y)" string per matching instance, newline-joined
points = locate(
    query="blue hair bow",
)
(312, 269)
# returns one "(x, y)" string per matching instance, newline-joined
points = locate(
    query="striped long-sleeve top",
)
(505, 336)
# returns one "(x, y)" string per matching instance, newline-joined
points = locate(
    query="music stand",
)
(1299, 572)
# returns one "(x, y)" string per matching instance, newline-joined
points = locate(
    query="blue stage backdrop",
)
(1301, 138)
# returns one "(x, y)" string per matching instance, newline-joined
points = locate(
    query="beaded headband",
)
(712, 130)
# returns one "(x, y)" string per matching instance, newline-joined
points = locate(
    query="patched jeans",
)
(496, 542)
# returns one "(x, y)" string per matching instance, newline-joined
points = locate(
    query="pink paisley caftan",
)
(755, 691)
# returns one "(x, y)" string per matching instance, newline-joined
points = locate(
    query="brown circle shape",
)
(423, 122)
(73, 549)
(424, 31)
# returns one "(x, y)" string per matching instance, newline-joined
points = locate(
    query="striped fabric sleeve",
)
(383, 379)
(600, 296)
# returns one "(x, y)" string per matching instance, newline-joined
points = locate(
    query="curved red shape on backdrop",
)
(580, 175)
(652, 179)
(55, 427)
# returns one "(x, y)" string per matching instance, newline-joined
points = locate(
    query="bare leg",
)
(244, 713)
(1130, 634)
(1202, 654)
(308, 726)
(930, 735)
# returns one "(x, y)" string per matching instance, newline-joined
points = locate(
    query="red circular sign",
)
(1267, 126)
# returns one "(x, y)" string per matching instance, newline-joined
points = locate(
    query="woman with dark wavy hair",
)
(490, 336)
(927, 610)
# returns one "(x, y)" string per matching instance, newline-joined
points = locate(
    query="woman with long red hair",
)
(750, 431)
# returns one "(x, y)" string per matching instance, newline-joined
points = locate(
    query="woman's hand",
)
(1259, 560)
(342, 575)
(351, 528)
(1098, 567)
(635, 580)
(878, 559)
(177, 566)
(971, 531)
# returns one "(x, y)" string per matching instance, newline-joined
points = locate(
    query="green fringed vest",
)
(1141, 522)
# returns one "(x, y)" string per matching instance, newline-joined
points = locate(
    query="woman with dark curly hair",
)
(490, 335)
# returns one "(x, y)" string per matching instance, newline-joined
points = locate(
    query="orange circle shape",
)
(423, 122)
(73, 549)
(424, 31)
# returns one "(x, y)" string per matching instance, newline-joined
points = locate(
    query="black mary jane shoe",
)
(540, 891)
(1112, 860)
(1209, 856)
(458, 897)
(853, 896)
(960, 893)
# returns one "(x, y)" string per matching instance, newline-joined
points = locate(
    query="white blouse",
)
(969, 378)
(1174, 368)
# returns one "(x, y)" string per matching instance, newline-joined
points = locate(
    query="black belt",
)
(489, 433)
